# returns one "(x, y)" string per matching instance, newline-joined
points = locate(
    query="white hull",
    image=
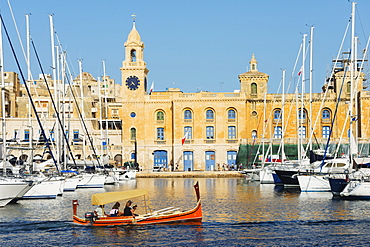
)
(47, 189)
(266, 176)
(313, 183)
(111, 179)
(127, 175)
(356, 189)
(11, 189)
(91, 181)
(70, 184)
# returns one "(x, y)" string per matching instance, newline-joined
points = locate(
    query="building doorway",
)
(210, 160)
(160, 160)
(188, 161)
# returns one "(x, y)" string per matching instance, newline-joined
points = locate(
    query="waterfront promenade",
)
(189, 174)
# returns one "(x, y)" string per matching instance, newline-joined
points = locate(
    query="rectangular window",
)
(188, 131)
(210, 132)
(325, 131)
(160, 134)
(278, 132)
(114, 113)
(302, 131)
(231, 132)
(27, 135)
(16, 134)
(75, 134)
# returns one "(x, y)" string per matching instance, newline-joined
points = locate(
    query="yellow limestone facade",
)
(151, 125)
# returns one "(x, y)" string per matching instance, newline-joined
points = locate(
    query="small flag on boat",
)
(300, 71)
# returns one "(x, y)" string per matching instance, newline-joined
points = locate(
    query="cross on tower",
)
(133, 17)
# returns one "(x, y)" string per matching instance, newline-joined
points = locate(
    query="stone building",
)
(127, 123)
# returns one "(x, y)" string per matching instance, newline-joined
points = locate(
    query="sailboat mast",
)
(282, 118)
(30, 144)
(353, 148)
(2, 99)
(311, 79)
(264, 130)
(106, 110)
(56, 128)
(82, 110)
(100, 115)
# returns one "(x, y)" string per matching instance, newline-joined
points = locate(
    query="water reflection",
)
(234, 211)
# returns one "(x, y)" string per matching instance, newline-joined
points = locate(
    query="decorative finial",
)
(133, 19)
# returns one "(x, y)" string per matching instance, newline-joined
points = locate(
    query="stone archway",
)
(118, 159)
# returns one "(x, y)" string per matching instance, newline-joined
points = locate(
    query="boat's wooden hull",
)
(191, 215)
(160, 217)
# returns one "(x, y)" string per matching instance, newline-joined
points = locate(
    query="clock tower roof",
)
(134, 35)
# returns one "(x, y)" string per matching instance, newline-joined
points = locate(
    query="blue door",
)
(160, 160)
(210, 161)
(188, 161)
(231, 158)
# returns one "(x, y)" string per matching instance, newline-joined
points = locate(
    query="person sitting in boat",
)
(129, 210)
(115, 210)
(133, 210)
(99, 212)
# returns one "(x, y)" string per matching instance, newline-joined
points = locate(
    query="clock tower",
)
(134, 71)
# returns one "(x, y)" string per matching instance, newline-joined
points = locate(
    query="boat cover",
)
(109, 197)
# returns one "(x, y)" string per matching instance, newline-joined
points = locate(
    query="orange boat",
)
(166, 215)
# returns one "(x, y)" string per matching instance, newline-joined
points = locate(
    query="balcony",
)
(160, 142)
(209, 141)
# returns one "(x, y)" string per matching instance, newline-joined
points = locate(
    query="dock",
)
(189, 174)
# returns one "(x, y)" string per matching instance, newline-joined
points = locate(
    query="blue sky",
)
(193, 45)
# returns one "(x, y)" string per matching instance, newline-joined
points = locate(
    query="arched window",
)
(133, 55)
(231, 114)
(325, 114)
(253, 67)
(188, 114)
(160, 115)
(253, 88)
(254, 134)
(133, 133)
(300, 114)
(349, 87)
(277, 114)
(210, 114)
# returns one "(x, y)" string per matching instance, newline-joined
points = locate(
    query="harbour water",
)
(235, 213)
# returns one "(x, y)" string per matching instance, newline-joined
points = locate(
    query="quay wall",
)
(190, 174)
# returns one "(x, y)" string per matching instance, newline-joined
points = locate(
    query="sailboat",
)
(355, 185)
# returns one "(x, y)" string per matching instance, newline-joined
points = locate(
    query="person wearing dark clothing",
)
(128, 210)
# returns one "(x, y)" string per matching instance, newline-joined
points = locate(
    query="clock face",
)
(132, 82)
